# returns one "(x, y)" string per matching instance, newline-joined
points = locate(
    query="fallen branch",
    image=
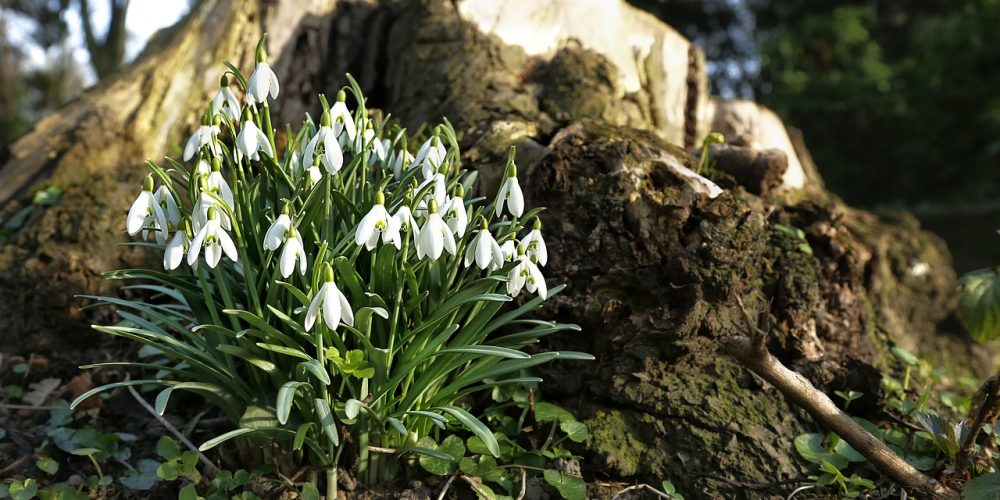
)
(751, 351)
(212, 470)
(987, 409)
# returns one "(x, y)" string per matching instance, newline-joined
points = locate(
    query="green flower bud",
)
(224, 81)
(216, 165)
(261, 53)
(212, 215)
(432, 206)
(341, 96)
(147, 183)
(327, 272)
(538, 224)
(325, 119)
(379, 198)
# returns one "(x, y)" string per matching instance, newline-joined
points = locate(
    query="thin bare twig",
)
(212, 470)
(14, 465)
(798, 490)
(475, 486)
(524, 484)
(641, 487)
(30, 407)
(378, 449)
(447, 484)
(988, 397)
(752, 353)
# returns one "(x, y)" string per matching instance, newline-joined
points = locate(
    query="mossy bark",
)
(653, 268)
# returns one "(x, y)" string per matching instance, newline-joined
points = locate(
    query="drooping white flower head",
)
(378, 224)
(455, 213)
(404, 219)
(292, 252)
(526, 274)
(484, 250)
(173, 255)
(165, 199)
(218, 185)
(333, 304)
(430, 156)
(340, 114)
(251, 140)
(276, 233)
(509, 249)
(510, 194)
(368, 139)
(435, 236)
(400, 161)
(206, 202)
(534, 244)
(214, 240)
(439, 193)
(225, 102)
(332, 157)
(262, 82)
(146, 213)
(204, 135)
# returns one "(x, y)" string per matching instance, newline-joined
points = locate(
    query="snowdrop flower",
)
(214, 240)
(168, 204)
(405, 221)
(205, 135)
(455, 214)
(293, 251)
(263, 81)
(218, 185)
(368, 138)
(509, 248)
(378, 223)
(173, 255)
(484, 250)
(250, 141)
(225, 102)
(146, 213)
(400, 161)
(510, 193)
(526, 275)
(333, 304)
(430, 156)
(279, 228)
(340, 114)
(439, 193)
(534, 244)
(435, 236)
(205, 203)
(332, 157)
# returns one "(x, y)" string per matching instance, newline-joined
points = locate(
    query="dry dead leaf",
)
(40, 391)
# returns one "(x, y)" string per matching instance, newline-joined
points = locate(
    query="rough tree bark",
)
(601, 100)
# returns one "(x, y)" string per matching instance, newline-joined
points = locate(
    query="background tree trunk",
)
(601, 100)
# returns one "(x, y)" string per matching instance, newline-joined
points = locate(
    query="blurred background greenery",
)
(898, 99)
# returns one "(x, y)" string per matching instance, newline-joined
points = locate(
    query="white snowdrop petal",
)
(137, 213)
(331, 307)
(345, 309)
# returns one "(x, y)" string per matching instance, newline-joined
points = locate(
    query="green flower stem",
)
(268, 129)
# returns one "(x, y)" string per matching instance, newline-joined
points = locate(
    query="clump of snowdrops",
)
(341, 287)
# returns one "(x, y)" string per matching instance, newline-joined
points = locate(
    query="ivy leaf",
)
(985, 487)
(576, 431)
(167, 448)
(569, 487)
(451, 446)
(309, 492)
(810, 447)
(548, 412)
(979, 305)
(480, 467)
(47, 465)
